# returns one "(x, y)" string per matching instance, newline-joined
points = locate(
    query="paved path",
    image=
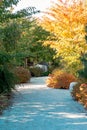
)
(36, 107)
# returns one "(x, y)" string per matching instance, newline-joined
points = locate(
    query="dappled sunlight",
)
(31, 86)
(72, 115)
(24, 112)
(80, 123)
(69, 115)
(34, 83)
(41, 108)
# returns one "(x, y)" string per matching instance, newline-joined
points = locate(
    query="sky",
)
(39, 4)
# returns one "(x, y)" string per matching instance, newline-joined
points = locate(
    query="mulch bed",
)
(5, 101)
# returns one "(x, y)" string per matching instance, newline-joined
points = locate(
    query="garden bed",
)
(5, 102)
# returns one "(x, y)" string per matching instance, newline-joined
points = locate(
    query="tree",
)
(67, 20)
(6, 11)
(9, 36)
(30, 43)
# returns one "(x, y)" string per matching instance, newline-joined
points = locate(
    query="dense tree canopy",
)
(30, 42)
(10, 33)
(67, 20)
(7, 7)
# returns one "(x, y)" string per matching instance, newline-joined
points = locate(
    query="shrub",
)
(82, 73)
(7, 80)
(36, 71)
(4, 101)
(22, 74)
(45, 73)
(79, 93)
(60, 79)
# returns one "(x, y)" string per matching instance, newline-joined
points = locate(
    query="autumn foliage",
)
(60, 79)
(79, 93)
(67, 20)
(22, 74)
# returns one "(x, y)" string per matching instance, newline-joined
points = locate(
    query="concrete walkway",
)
(37, 107)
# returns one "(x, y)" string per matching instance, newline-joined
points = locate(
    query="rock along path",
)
(37, 107)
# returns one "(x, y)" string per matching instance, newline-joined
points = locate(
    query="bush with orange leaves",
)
(79, 93)
(22, 74)
(60, 79)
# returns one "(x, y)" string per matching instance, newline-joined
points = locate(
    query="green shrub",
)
(22, 74)
(79, 93)
(36, 71)
(45, 73)
(83, 72)
(60, 79)
(7, 78)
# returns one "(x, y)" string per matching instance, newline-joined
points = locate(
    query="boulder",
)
(72, 84)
